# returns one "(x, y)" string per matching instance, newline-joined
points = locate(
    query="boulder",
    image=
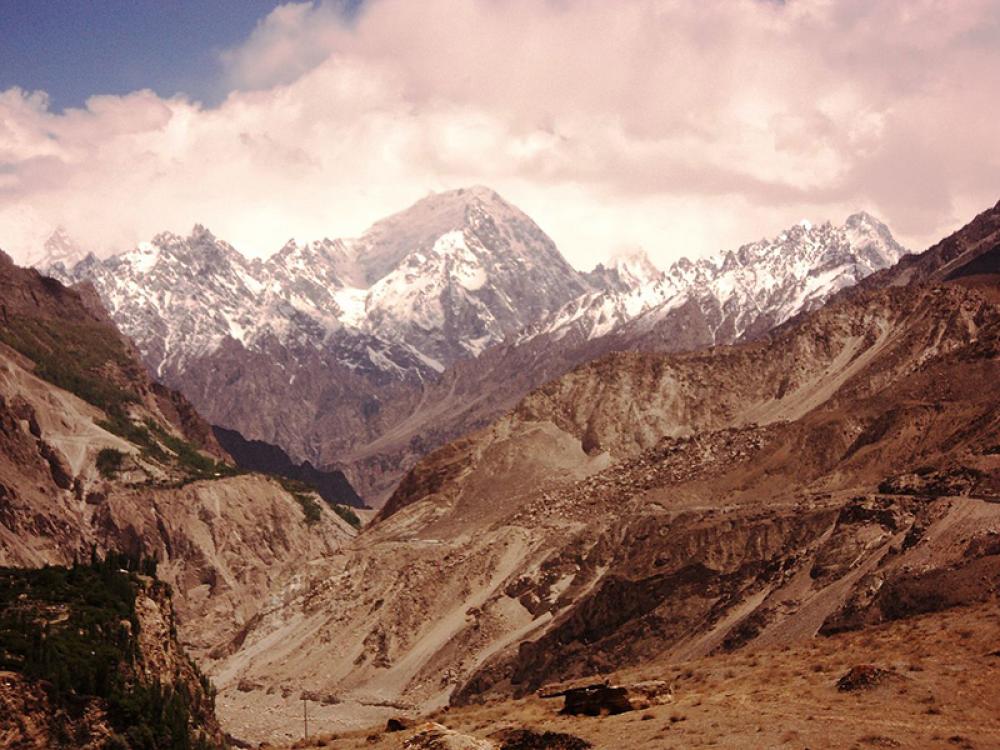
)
(398, 724)
(433, 736)
(603, 698)
(863, 677)
(59, 467)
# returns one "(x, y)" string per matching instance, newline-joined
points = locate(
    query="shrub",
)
(195, 464)
(109, 462)
(310, 508)
(347, 514)
(304, 494)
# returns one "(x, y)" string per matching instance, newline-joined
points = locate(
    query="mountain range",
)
(813, 494)
(650, 513)
(362, 354)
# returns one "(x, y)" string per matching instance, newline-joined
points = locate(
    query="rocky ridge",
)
(444, 279)
(739, 293)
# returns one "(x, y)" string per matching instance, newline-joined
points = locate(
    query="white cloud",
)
(681, 127)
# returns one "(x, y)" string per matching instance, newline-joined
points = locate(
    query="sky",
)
(675, 126)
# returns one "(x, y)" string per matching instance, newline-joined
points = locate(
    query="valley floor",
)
(941, 691)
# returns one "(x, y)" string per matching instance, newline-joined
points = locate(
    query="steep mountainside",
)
(973, 250)
(93, 454)
(364, 354)
(841, 473)
(69, 340)
(91, 662)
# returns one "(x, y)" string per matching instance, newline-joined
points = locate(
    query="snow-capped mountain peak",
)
(478, 270)
(759, 284)
(636, 268)
(451, 275)
(59, 249)
(445, 279)
(628, 269)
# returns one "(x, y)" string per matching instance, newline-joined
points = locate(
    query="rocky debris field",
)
(926, 682)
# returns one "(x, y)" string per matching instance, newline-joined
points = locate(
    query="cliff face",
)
(256, 455)
(91, 660)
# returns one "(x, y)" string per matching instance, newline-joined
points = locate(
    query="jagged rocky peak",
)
(60, 247)
(805, 250)
(477, 210)
(737, 293)
(303, 254)
(201, 250)
(320, 280)
(330, 260)
(629, 268)
(872, 240)
(175, 296)
(471, 271)
(861, 239)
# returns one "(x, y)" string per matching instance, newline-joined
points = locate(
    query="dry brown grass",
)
(944, 697)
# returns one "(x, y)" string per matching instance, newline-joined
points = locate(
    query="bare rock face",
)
(594, 699)
(58, 466)
(179, 412)
(231, 548)
(256, 455)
